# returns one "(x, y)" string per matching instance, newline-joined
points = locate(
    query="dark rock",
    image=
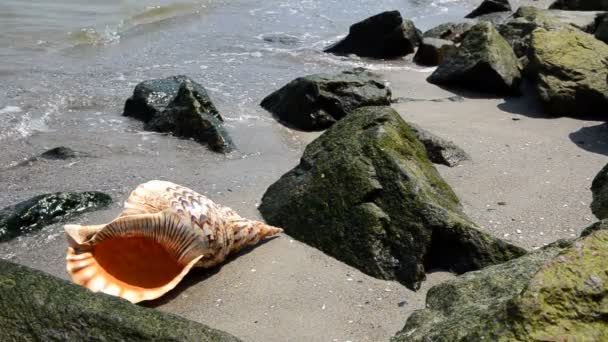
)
(366, 193)
(601, 27)
(316, 102)
(280, 38)
(580, 5)
(599, 189)
(35, 306)
(461, 309)
(599, 225)
(33, 214)
(60, 153)
(433, 51)
(385, 35)
(483, 62)
(449, 31)
(570, 69)
(490, 6)
(439, 150)
(180, 106)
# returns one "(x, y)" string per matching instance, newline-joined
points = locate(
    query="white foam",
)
(10, 110)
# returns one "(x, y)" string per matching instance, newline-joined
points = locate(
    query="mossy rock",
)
(454, 32)
(559, 293)
(366, 193)
(35, 306)
(484, 62)
(570, 69)
(35, 213)
(599, 190)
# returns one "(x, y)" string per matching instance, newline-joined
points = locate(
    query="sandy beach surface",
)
(528, 182)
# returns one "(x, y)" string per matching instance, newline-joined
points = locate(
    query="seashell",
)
(164, 231)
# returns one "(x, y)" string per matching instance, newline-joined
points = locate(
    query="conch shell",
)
(164, 230)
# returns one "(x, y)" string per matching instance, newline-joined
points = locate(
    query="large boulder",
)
(35, 306)
(483, 62)
(449, 31)
(490, 6)
(180, 106)
(580, 5)
(570, 69)
(316, 102)
(556, 294)
(366, 193)
(601, 27)
(37, 212)
(385, 35)
(462, 308)
(433, 51)
(599, 189)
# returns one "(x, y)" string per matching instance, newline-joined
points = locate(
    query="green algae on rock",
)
(483, 62)
(366, 193)
(35, 306)
(570, 69)
(33, 214)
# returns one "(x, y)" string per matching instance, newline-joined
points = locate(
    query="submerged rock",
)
(366, 193)
(384, 35)
(57, 153)
(180, 106)
(281, 38)
(580, 5)
(39, 307)
(449, 31)
(556, 293)
(570, 69)
(490, 6)
(599, 189)
(439, 150)
(433, 51)
(36, 213)
(316, 102)
(483, 62)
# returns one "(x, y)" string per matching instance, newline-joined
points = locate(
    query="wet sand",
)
(528, 181)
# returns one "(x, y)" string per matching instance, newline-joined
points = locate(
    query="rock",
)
(433, 51)
(484, 62)
(280, 38)
(439, 150)
(448, 31)
(460, 309)
(557, 293)
(580, 5)
(599, 225)
(599, 189)
(601, 27)
(366, 193)
(61, 153)
(33, 214)
(180, 106)
(570, 69)
(490, 6)
(315, 102)
(385, 35)
(35, 306)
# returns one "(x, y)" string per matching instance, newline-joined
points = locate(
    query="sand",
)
(528, 182)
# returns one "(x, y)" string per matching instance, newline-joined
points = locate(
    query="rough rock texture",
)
(33, 214)
(384, 35)
(316, 102)
(180, 106)
(460, 309)
(570, 69)
(517, 30)
(601, 27)
(433, 51)
(35, 306)
(580, 5)
(599, 189)
(490, 6)
(449, 31)
(365, 193)
(549, 295)
(483, 62)
(439, 150)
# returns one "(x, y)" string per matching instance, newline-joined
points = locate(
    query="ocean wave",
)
(15, 123)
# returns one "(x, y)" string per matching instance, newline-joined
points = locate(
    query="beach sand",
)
(528, 182)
